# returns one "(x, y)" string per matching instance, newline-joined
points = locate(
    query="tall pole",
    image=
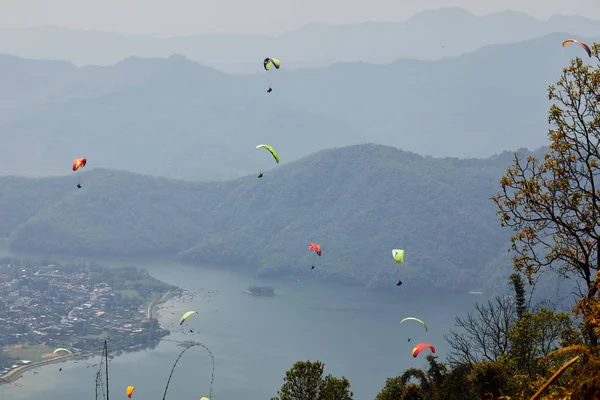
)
(106, 360)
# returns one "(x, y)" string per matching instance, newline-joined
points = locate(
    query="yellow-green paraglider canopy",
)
(269, 62)
(186, 315)
(415, 319)
(398, 255)
(271, 150)
(62, 349)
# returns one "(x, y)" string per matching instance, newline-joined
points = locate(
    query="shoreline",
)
(155, 304)
(18, 372)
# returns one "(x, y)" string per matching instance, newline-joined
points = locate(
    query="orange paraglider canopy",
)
(79, 163)
(130, 390)
(585, 46)
(315, 247)
(418, 348)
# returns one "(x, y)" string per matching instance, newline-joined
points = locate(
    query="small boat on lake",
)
(260, 291)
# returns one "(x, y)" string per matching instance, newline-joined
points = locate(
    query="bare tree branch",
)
(483, 335)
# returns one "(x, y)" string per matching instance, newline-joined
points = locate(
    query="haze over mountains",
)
(421, 36)
(176, 118)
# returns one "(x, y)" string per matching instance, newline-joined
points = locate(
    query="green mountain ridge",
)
(357, 202)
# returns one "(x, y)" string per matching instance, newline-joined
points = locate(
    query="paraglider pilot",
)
(399, 283)
(269, 90)
(79, 186)
(260, 175)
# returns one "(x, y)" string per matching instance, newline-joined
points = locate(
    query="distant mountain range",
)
(176, 118)
(428, 35)
(357, 202)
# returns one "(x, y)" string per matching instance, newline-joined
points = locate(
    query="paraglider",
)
(315, 247)
(398, 255)
(268, 63)
(204, 398)
(130, 390)
(61, 349)
(260, 175)
(79, 163)
(415, 319)
(271, 150)
(186, 315)
(582, 44)
(420, 347)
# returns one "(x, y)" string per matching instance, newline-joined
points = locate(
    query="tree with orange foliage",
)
(553, 204)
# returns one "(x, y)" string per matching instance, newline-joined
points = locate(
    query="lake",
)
(254, 340)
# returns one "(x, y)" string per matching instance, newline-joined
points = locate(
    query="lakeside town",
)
(75, 307)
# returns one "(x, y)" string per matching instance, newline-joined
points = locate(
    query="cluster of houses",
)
(48, 305)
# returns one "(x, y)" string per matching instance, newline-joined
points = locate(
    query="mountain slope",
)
(432, 107)
(316, 45)
(357, 202)
(179, 119)
(184, 121)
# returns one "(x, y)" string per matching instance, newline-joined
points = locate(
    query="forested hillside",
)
(357, 202)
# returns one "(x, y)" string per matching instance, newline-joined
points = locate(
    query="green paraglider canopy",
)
(269, 62)
(186, 315)
(271, 150)
(415, 319)
(398, 255)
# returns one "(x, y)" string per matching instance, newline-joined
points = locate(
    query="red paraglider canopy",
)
(421, 346)
(585, 46)
(315, 247)
(79, 163)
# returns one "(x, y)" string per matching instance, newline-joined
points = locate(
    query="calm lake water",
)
(356, 333)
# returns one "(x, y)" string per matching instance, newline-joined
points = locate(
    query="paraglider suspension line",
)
(212, 375)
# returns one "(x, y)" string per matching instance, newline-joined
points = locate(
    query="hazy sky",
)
(180, 17)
